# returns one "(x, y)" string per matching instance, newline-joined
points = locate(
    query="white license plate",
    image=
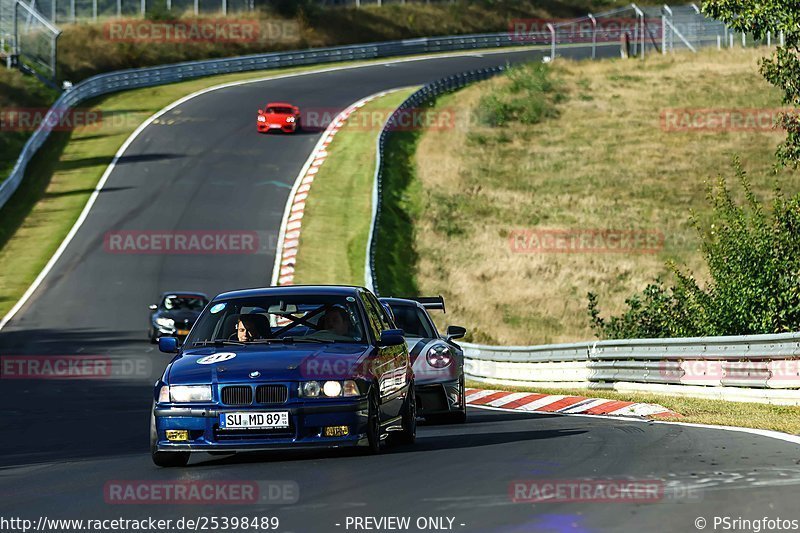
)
(270, 420)
(275, 126)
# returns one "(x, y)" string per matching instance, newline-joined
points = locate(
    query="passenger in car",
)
(252, 327)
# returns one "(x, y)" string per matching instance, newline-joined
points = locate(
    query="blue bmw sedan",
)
(283, 368)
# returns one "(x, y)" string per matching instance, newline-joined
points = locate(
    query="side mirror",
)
(168, 344)
(391, 337)
(455, 332)
(153, 307)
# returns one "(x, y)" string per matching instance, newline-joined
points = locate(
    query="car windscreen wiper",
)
(291, 340)
(218, 342)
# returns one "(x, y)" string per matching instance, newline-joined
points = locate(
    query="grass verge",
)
(338, 210)
(19, 95)
(694, 410)
(583, 150)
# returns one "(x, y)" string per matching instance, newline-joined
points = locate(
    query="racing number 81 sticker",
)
(216, 358)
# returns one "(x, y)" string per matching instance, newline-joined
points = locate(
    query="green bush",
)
(527, 99)
(753, 257)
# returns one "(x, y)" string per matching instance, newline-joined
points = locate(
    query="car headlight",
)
(329, 389)
(165, 322)
(439, 356)
(332, 389)
(262, 118)
(290, 119)
(310, 389)
(190, 393)
(351, 388)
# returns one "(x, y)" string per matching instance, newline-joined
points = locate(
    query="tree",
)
(753, 257)
(782, 69)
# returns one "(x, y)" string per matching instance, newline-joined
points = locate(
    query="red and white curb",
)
(289, 239)
(553, 403)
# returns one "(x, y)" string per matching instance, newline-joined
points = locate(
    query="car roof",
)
(184, 293)
(293, 290)
(279, 104)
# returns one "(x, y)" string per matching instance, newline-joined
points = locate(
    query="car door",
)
(385, 366)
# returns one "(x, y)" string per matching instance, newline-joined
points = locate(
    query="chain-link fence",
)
(35, 39)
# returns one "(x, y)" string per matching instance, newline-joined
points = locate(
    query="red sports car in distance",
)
(278, 116)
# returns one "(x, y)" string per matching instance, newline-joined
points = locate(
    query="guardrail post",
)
(640, 15)
(769, 39)
(196, 7)
(119, 7)
(552, 41)
(94, 10)
(224, 7)
(594, 35)
(72, 11)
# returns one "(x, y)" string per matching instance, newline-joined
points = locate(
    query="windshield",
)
(175, 302)
(264, 319)
(280, 110)
(412, 320)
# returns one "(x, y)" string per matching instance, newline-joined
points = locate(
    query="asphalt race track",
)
(202, 167)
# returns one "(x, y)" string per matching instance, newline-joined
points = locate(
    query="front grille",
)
(239, 395)
(228, 435)
(271, 394)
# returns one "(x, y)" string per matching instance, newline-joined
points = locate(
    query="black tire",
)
(409, 433)
(373, 446)
(165, 459)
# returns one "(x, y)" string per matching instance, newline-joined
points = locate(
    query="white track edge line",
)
(349, 110)
(787, 437)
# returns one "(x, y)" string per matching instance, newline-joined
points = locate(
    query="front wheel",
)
(373, 426)
(164, 459)
(409, 433)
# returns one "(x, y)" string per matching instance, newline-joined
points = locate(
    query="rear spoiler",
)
(431, 302)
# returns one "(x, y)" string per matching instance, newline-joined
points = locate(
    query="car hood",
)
(278, 118)
(272, 362)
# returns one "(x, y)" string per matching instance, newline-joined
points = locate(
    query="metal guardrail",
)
(419, 98)
(748, 361)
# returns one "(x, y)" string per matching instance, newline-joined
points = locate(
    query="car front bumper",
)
(285, 128)
(306, 426)
(438, 398)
